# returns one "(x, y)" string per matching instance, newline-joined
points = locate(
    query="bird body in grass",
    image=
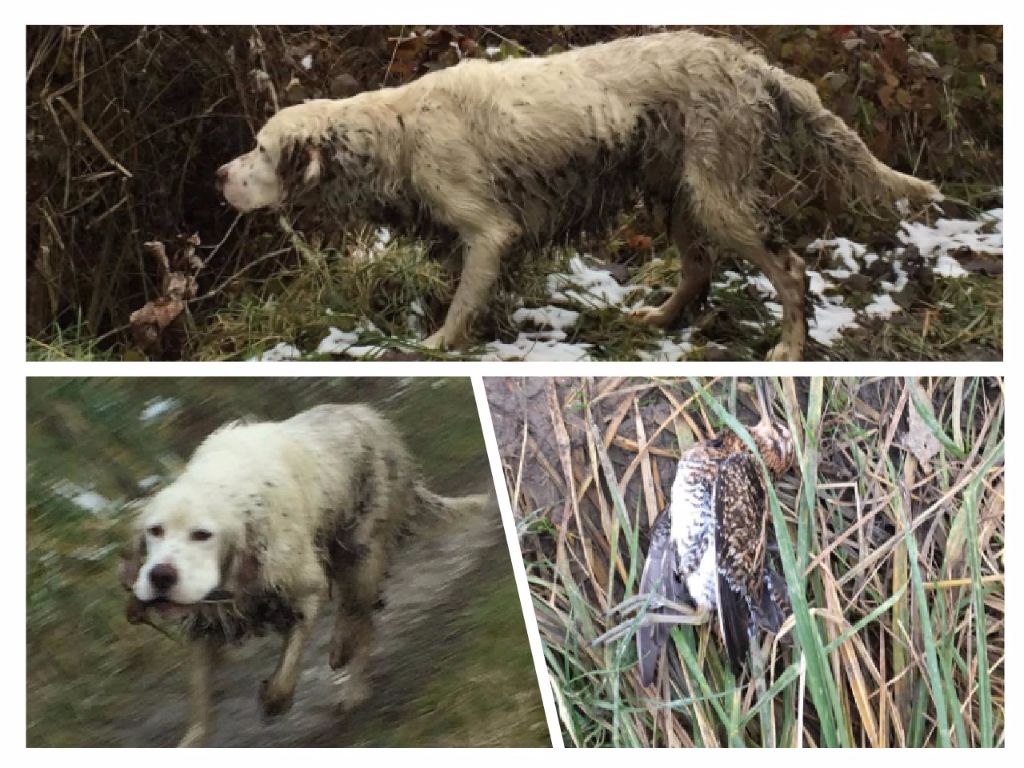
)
(709, 547)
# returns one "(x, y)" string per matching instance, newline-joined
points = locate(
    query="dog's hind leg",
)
(276, 694)
(203, 654)
(358, 596)
(732, 221)
(695, 267)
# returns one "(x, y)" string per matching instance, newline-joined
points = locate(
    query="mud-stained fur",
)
(266, 523)
(521, 153)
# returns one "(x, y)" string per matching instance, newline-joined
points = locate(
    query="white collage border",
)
(16, 370)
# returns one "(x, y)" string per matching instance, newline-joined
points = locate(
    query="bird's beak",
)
(761, 388)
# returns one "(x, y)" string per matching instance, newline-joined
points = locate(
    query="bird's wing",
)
(659, 578)
(739, 502)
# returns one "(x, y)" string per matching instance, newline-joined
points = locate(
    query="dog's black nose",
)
(163, 576)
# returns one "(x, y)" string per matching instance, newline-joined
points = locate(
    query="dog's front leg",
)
(203, 653)
(479, 273)
(276, 694)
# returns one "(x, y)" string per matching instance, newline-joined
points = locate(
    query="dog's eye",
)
(200, 535)
(156, 531)
(262, 148)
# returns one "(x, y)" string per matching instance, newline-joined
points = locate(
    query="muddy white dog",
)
(522, 153)
(266, 523)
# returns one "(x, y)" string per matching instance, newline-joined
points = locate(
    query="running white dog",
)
(268, 521)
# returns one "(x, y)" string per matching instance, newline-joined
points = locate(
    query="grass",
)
(365, 281)
(457, 708)
(893, 558)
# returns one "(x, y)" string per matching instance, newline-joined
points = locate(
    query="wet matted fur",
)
(525, 152)
(266, 523)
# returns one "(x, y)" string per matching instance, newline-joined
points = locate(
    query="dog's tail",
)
(840, 151)
(432, 507)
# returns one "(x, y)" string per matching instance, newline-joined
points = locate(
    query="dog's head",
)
(302, 145)
(182, 555)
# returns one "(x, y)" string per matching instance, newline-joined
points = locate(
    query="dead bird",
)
(709, 547)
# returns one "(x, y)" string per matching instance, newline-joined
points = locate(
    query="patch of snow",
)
(761, 284)
(816, 283)
(883, 306)
(775, 308)
(732, 277)
(547, 317)
(668, 350)
(492, 50)
(947, 266)
(338, 342)
(593, 288)
(157, 407)
(83, 498)
(901, 279)
(529, 348)
(282, 351)
(829, 321)
(847, 250)
(949, 235)
(995, 215)
(91, 501)
(414, 319)
(307, 61)
(365, 352)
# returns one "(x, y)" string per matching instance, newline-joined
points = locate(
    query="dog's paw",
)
(654, 316)
(273, 701)
(195, 736)
(435, 341)
(786, 352)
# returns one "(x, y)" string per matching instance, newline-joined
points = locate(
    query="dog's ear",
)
(133, 554)
(300, 166)
(240, 565)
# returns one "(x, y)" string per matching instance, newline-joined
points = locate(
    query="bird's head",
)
(773, 440)
(774, 443)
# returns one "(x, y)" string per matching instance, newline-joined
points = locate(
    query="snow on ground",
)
(278, 353)
(346, 343)
(669, 350)
(593, 288)
(883, 306)
(83, 498)
(555, 318)
(545, 331)
(536, 348)
(157, 407)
